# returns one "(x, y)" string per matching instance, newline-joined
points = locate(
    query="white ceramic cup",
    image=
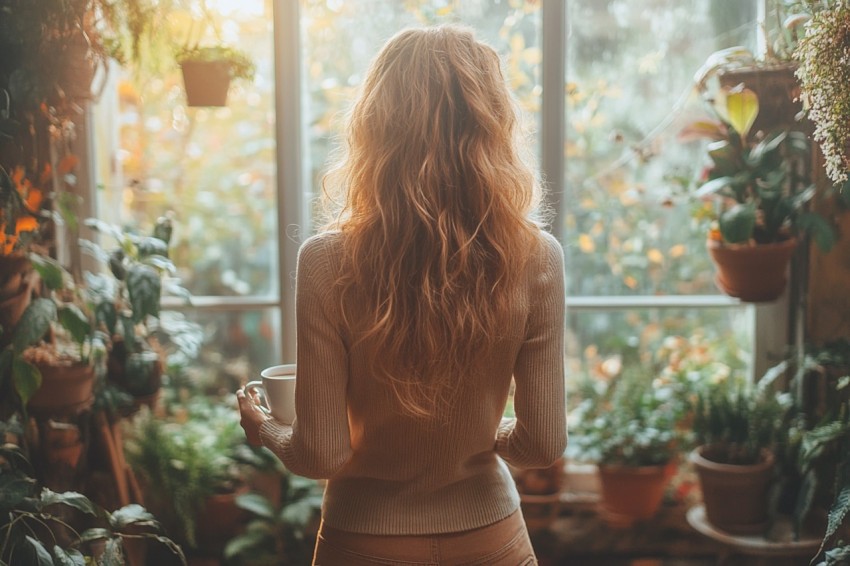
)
(277, 392)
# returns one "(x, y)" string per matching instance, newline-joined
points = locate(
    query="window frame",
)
(771, 322)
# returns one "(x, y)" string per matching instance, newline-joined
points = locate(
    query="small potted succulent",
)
(207, 72)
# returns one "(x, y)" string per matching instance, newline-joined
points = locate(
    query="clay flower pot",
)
(206, 82)
(631, 494)
(735, 496)
(752, 273)
(65, 390)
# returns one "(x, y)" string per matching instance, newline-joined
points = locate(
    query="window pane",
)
(212, 168)
(630, 71)
(237, 345)
(340, 38)
(600, 343)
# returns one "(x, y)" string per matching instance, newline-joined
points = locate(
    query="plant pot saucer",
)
(749, 543)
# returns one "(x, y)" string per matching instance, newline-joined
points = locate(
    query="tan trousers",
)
(504, 543)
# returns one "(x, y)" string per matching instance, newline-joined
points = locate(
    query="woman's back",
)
(444, 468)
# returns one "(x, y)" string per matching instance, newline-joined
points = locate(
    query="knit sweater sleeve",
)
(317, 444)
(538, 434)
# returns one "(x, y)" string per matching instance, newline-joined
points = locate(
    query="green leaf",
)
(50, 271)
(838, 556)
(106, 315)
(128, 515)
(144, 287)
(12, 456)
(75, 322)
(737, 223)
(34, 323)
(767, 146)
(245, 542)
(839, 510)
(71, 499)
(70, 557)
(725, 156)
(113, 554)
(14, 488)
(818, 228)
(256, 504)
(96, 533)
(149, 246)
(713, 186)
(42, 556)
(26, 377)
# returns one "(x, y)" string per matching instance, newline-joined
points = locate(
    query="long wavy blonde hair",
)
(435, 211)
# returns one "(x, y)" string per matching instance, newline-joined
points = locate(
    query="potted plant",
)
(760, 197)
(54, 348)
(187, 465)
(629, 430)
(736, 425)
(39, 526)
(127, 295)
(207, 72)
(278, 532)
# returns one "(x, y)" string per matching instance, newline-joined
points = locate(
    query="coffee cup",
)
(277, 392)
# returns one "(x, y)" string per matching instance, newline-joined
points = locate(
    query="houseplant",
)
(39, 526)
(126, 297)
(278, 532)
(629, 430)
(186, 462)
(736, 425)
(54, 349)
(207, 72)
(823, 74)
(760, 196)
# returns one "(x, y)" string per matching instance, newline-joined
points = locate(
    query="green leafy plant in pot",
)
(208, 71)
(279, 532)
(758, 183)
(630, 431)
(736, 424)
(55, 348)
(127, 297)
(189, 470)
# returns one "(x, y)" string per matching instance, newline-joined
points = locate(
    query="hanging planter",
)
(752, 273)
(208, 71)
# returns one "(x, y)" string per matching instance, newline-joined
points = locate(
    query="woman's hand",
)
(252, 417)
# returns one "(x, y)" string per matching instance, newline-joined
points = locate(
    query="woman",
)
(431, 290)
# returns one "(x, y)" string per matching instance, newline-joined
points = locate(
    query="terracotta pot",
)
(631, 494)
(219, 519)
(62, 443)
(65, 390)
(735, 496)
(752, 273)
(206, 82)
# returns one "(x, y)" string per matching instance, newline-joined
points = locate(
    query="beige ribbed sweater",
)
(391, 474)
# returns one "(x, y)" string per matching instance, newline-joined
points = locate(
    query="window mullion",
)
(288, 132)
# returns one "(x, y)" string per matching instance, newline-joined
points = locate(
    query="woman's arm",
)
(538, 435)
(317, 444)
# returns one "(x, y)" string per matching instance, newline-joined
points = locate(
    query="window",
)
(605, 83)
